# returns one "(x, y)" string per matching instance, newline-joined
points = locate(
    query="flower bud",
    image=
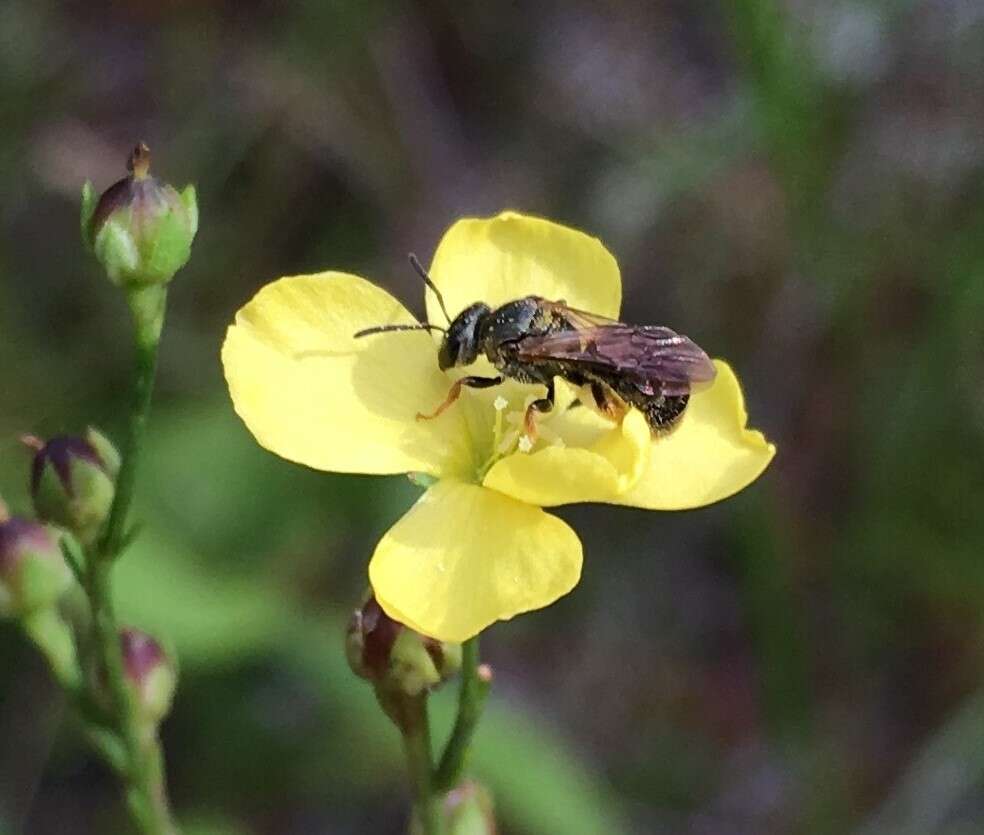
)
(394, 657)
(150, 673)
(140, 229)
(467, 810)
(72, 482)
(33, 571)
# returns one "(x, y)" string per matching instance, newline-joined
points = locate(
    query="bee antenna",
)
(419, 269)
(388, 328)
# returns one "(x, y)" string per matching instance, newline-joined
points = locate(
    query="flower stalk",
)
(148, 315)
(476, 680)
(403, 667)
(141, 231)
(431, 785)
(143, 772)
(417, 749)
(54, 638)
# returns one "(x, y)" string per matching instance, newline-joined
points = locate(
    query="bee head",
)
(461, 343)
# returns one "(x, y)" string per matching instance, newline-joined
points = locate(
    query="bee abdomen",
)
(663, 412)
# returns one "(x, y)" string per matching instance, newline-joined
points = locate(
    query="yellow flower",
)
(477, 546)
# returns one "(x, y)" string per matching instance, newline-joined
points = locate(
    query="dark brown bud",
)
(395, 657)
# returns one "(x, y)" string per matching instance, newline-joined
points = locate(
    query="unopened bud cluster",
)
(122, 680)
(72, 480)
(72, 486)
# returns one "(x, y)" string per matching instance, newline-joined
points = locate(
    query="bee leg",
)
(608, 403)
(544, 404)
(455, 391)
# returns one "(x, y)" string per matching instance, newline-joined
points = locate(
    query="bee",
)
(533, 340)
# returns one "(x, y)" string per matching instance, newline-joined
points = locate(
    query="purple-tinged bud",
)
(394, 657)
(73, 481)
(141, 229)
(150, 673)
(33, 571)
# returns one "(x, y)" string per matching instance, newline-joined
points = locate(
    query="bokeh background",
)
(797, 185)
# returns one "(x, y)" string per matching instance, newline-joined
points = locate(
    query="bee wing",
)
(577, 318)
(654, 357)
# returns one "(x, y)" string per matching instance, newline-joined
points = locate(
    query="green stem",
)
(415, 728)
(107, 744)
(143, 774)
(475, 683)
(55, 639)
(148, 313)
(148, 797)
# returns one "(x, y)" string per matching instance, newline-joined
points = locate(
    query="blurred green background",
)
(799, 186)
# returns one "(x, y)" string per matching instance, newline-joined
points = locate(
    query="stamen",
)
(500, 403)
(509, 432)
(508, 442)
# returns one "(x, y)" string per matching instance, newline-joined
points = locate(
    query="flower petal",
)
(599, 472)
(496, 260)
(464, 557)
(708, 457)
(313, 394)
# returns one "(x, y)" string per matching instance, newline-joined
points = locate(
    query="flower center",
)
(509, 434)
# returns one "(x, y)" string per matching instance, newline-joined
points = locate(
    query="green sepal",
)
(106, 451)
(166, 246)
(116, 250)
(189, 197)
(88, 209)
